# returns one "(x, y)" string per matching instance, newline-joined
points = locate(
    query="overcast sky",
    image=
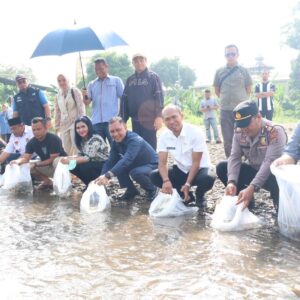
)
(196, 31)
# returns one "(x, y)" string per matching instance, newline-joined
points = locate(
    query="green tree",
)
(292, 35)
(172, 72)
(10, 72)
(119, 65)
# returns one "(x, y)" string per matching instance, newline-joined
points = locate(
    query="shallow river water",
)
(49, 250)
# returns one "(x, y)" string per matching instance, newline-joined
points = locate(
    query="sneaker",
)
(218, 142)
(207, 142)
(153, 194)
(129, 194)
(190, 201)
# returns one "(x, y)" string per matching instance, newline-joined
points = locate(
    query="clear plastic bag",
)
(62, 181)
(165, 205)
(288, 179)
(230, 217)
(17, 179)
(94, 199)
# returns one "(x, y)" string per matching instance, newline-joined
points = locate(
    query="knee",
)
(155, 177)
(135, 174)
(221, 169)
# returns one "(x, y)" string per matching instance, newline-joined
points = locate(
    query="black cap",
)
(14, 121)
(20, 76)
(244, 112)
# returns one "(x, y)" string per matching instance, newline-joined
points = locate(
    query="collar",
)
(183, 132)
(107, 77)
(144, 73)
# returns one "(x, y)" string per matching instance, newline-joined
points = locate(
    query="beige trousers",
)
(68, 140)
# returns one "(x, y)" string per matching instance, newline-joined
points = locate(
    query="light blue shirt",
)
(4, 127)
(105, 95)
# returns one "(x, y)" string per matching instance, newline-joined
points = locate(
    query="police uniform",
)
(250, 158)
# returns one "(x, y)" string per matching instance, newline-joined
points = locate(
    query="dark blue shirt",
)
(132, 152)
(143, 98)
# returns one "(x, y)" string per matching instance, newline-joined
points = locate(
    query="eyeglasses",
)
(231, 54)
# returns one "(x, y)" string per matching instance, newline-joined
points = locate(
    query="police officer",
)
(30, 102)
(260, 143)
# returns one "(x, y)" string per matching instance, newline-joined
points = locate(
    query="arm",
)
(57, 115)
(79, 103)
(202, 107)
(233, 167)
(15, 110)
(87, 99)
(274, 150)
(217, 91)
(248, 82)
(48, 161)
(22, 160)
(4, 156)
(133, 149)
(196, 157)
(216, 84)
(120, 88)
(292, 149)
(124, 114)
(163, 171)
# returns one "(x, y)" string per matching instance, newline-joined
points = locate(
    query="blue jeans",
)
(211, 122)
(139, 174)
(102, 129)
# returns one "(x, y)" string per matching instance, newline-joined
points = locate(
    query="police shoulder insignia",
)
(263, 140)
(273, 134)
(238, 116)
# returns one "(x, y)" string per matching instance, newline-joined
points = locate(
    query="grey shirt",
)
(233, 88)
(260, 152)
(208, 103)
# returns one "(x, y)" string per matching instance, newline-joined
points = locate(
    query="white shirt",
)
(17, 144)
(182, 147)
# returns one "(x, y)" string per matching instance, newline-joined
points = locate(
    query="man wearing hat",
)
(30, 102)
(20, 136)
(260, 143)
(143, 100)
(104, 93)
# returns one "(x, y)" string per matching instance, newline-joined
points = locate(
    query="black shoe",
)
(190, 201)
(218, 142)
(201, 202)
(152, 195)
(129, 194)
(207, 142)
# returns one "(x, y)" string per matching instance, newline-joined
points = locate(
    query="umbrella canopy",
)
(63, 41)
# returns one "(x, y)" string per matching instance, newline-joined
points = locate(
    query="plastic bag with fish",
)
(165, 205)
(17, 179)
(288, 179)
(62, 180)
(94, 199)
(230, 217)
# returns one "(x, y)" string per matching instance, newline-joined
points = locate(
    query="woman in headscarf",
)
(68, 107)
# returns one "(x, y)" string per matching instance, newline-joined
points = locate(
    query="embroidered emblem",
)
(238, 116)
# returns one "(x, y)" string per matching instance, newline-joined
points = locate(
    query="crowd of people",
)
(101, 147)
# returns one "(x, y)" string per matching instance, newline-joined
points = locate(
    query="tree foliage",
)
(10, 72)
(119, 65)
(172, 72)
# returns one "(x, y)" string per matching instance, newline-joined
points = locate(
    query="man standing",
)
(130, 156)
(264, 92)
(143, 100)
(260, 142)
(187, 146)
(232, 85)
(30, 103)
(208, 107)
(48, 147)
(104, 92)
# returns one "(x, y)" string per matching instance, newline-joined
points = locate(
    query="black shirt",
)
(51, 144)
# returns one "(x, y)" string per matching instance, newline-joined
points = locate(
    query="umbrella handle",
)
(84, 85)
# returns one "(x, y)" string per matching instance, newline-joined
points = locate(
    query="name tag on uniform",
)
(171, 148)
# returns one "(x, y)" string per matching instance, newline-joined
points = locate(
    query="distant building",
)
(259, 66)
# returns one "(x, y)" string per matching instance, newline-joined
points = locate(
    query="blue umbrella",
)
(63, 41)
